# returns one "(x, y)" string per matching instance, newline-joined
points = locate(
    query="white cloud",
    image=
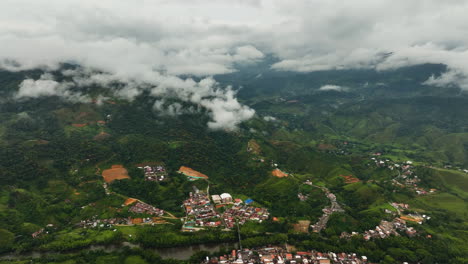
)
(331, 87)
(448, 79)
(47, 86)
(226, 111)
(269, 118)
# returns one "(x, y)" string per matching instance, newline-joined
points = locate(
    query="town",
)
(201, 211)
(280, 255)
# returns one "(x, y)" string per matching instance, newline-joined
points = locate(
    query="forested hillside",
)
(346, 140)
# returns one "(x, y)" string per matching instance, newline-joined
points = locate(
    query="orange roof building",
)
(136, 221)
(192, 174)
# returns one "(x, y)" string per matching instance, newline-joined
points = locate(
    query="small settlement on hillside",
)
(141, 214)
(154, 171)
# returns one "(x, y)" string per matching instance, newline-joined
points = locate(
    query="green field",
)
(444, 201)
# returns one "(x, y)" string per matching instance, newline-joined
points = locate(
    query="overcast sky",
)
(151, 43)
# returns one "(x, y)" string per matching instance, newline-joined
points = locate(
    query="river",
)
(179, 253)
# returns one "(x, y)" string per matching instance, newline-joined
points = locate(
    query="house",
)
(323, 261)
(226, 198)
(136, 221)
(37, 233)
(216, 199)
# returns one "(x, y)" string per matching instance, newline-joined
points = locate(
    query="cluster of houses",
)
(398, 224)
(327, 211)
(279, 255)
(200, 212)
(110, 222)
(451, 167)
(412, 217)
(154, 172)
(101, 223)
(406, 177)
(385, 229)
(242, 213)
(41, 231)
(404, 167)
(139, 207)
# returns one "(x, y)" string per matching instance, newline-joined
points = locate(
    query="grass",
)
(443, 201)
(78, 238)
(128, 231)
(380, 205)
(454, 179)
(3, 200)
(175, 144)
(89, 131)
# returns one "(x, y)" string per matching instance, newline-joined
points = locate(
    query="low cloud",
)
(226, 112)
(331, 87)
(449, 79)
(269, 118)
(47, 86)
(222, 106)
(164, 108)
(159, 46)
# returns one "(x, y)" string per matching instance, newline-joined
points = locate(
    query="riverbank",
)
(178, 253)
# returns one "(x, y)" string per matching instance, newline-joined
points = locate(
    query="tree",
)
(6, 240)
(135, 260)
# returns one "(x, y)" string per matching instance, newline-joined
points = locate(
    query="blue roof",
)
(249, 201)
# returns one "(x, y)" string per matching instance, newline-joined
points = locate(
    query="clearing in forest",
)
(278, 173)
(117, 172)
(254, 147)
(350, 179)
(192, 174)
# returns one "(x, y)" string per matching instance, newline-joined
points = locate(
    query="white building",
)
(226, 198)
(216, 199)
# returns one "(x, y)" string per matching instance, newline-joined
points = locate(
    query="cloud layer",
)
(153, 44)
